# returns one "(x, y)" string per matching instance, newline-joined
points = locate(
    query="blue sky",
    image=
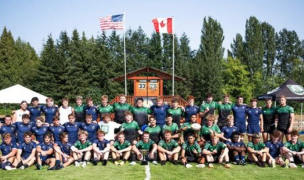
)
(34, 20)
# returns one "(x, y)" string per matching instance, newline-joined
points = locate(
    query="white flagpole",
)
(125, 60)
(173, 57)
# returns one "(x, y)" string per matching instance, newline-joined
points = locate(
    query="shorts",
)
(241, 128)
(283, 128)
(297, 160)
(269, 128)
(192, 158)
(251, 129)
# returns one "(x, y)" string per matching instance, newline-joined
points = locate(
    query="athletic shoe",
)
(104, 162)
(133, 163)
(273, 163)
(84, 164)
(58, 167)
(200, 165)
(163, 163)
(243, 163)
(293, 165)
(188, 166)
(174, 162)
(9, 168)
(210, 165)
(227, 166)
(52, 168)
(38, 166)
(19, 164)
(22, 167)
(122, 163)
(236, 163)
(303, 165)
(154, 162)
(77, 164)
(95, 163)
(116, 163)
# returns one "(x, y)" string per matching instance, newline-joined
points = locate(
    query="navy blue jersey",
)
(101, 144)
(91, 110)
(236, 144)
(190, 110)
(7, 148)
(56, 130)
(91, 129)
(160, 113)
(35, 111)
(45, 147)
(65, 148)
(72, 130)
(8, 129)
(49, 113)
(239, 113)
(253, 116)
(228, 131)
(27, 149)
(21, 128)
(274, 148)
(39, 132)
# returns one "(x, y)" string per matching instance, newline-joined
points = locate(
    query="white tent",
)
(17, 93)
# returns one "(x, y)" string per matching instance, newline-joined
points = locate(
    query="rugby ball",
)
(196, 126)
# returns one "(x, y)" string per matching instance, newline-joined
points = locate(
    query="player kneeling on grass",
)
(82, 149)
(275, 150)
(216, 151)
(45, 153)
(8, 150)
(257, 151)
(26, 152)
(168, 149)
(146, 144)
(121, 149)
(237, 149)
(101, 148)
(191, 152)
(63, 151)
(294, 150)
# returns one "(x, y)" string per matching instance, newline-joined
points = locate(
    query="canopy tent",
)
(17, 93)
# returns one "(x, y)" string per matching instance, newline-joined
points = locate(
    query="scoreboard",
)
(147, 87)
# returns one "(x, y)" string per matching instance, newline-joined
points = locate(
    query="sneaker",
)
(163, 163)
(38, 166)
(104, 162)
(154, 162)
(200, 165)
(133, 163)
(77, 164)
(19, 164)
(243, 163)
(236, 163)
(303, 165)
(174, 162)
(273, 163)
(293, 165)
(95, 163)
(9, 168)
(122, 163)
(51, 168)
(22, 167)
(84, 164)
(227, 166)
(210, 165)
(116, 163)
(59, 167)
(286, 163)
(188, 165)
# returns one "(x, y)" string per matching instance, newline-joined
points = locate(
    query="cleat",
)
(38, 166)
(95, 163)
(154, 162)
(133, 163)
(163, 163)
(188, 166)
(122, 163)
(227, 166)
(51, 168)
(293, 165)
(77, 164)
(9, 168)
(84, 164)
(210, 165)
(116, 163)
(200, 165)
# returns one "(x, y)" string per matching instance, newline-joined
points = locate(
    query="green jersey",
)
(298, 146)
(140, 115)
(119, 110)
(105, 109)
(283, 113)
(145, 145)
(257, 147)
(211, 106)
(205, 131)
(177, 114)
(130, 130)
(81, 146)
(173, 128)
(223, 110)
(268, 115)
(189, 129)
(79, 113)
(120, 146)
(189, 148)
(172, 144)
(154, 132)
(218, 147)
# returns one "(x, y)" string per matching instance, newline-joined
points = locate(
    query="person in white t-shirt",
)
(17, 117)
(108, 126)
(64, 110)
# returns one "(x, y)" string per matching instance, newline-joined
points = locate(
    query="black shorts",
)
(192, 158)
(297, 160)
(269, 128)
(283, 130)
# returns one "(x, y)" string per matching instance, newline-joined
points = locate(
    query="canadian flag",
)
(163, 25)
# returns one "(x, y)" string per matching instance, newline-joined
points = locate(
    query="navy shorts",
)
(241, 128)
(251, 129)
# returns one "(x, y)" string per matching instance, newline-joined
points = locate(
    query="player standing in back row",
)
(239, 113)
(207, 107)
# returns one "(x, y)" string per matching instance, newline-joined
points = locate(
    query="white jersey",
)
(64, 113)
(19, 114)
(109, 128)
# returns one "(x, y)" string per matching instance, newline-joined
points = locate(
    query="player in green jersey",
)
(82, 149)
(173, 127)
(257, 151)
(224, 109)
(176, 111)
(105, 107)
(207, 107)
(206, 130)
(191, 152)
(121, 149)
(294, 150)
(269, 119)
(186, 129)
(79, 109)
(154, 130)
(120, 108)
(168, 149)
(130, 128)
(140, 113)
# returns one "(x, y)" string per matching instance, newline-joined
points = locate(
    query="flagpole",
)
(173, 57)
(125, 60)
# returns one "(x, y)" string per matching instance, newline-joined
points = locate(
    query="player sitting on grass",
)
(257, 151)
(8, 150)
(216, 151)
(45, 153)
(121, 149)
(101, 148)
(275, 150)
(191, 152)
(229, 129)
(82, 149)
(294, 150)
(26, 152)
(146, 144)
(63, 151)
(237, 149)
(168, 149)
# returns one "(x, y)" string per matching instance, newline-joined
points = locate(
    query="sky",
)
(34, 20)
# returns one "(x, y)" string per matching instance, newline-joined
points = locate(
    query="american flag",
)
(112, 22)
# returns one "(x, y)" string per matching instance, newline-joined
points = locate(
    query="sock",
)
(26, 166)
(104, 162)
(133, 157)
(237, 158)
(243, 158)
(174, 162)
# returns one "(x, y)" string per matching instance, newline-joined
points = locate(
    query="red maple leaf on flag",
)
(162, 24)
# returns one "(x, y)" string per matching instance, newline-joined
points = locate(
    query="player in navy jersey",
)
(275, 150)
(22, 127)
(229, 129)
(39, 130)
(26, 152)
(239, 115)
(49, 110)
(45, 153)
(72, 128)
(160, 111)
(255, 119)
(56, 128)
(237, 149)
(63, 153)
(90, 127)
(35, 109)
(90, 108)
(8, 127)
(191, 108)
(101, 148)
(8, 151)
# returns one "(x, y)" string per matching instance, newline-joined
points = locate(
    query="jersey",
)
(268, 116)
(45, 147)
(79, 113)
(64, 113)
(101, 144)
(49, 113)
(189, 111)
(239, 113)
(105, 109)
(173, 128)
(155, 133)
(211, 106)
(189, 129)
(141, 145)
(56, 130)
(223, 110)
(8, 129)
(65, 147)
(177, 114)
(91, 110)
(27, 149)
(19, 114)
(257, 147)
(130, 130)
(91, 129)
(140, 115)
(7, 148)
(72, 130)
(205, 131)
(218, 147)
(274, 148)
(253, 116)
(160, 113)
(189, 148)
(109, 129)
(284, 116)
(35, 111)
(298, 146)
(39, 132)
(228, 131)
(172, 144)
(120, 146)
(119, 110)
(81, 146)
(21, 128)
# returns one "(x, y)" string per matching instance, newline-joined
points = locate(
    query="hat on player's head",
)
(256, 135)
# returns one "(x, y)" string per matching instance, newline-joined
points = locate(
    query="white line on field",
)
(148, 174)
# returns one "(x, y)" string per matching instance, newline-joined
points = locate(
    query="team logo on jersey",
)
(256, 111)
(60, 130)
(44, 129)
(93, 127)
(297, 89)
